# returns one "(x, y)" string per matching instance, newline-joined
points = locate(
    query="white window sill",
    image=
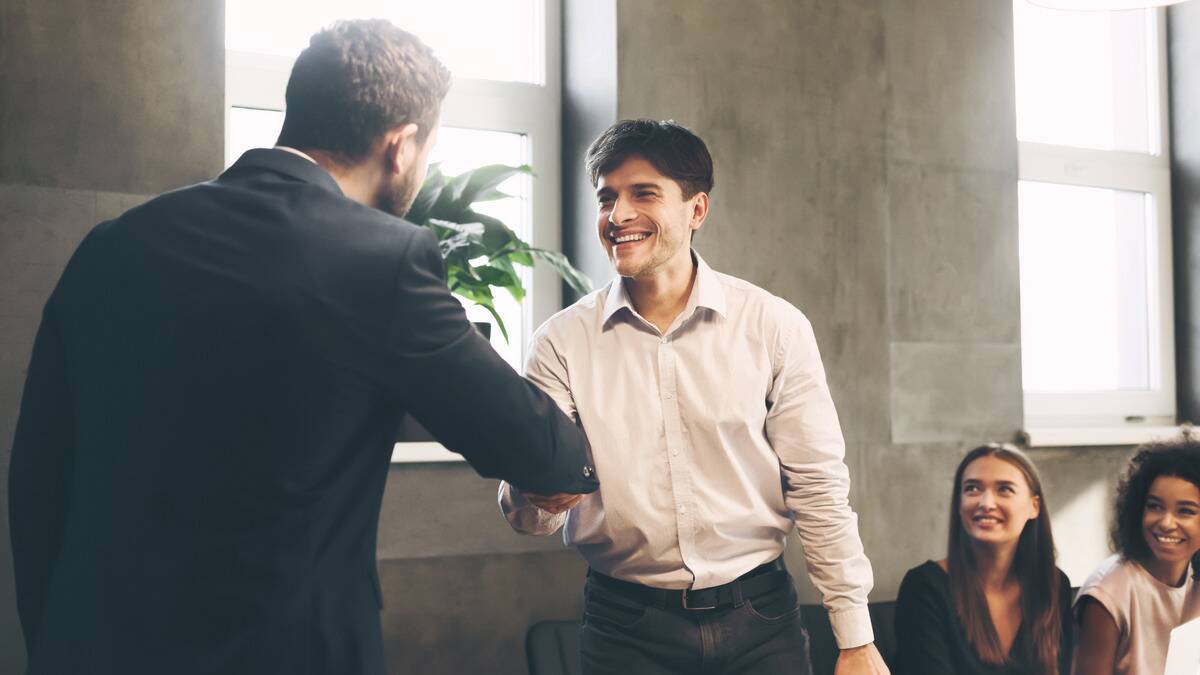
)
(1047, 437)
(412, 453)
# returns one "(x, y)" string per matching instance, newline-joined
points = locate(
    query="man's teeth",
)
(630, 237)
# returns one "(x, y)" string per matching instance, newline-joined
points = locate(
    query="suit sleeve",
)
(548, 371)
(39, 472)
(923, 625)
(473, 402)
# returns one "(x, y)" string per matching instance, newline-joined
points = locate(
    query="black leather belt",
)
(765, 577)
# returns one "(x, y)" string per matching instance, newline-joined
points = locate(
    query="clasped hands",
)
(558, 503)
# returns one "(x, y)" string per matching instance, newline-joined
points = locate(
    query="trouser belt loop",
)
(736, 589)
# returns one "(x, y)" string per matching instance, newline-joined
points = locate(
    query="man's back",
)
(219, 377)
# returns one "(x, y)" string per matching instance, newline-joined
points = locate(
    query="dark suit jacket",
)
(208, 419)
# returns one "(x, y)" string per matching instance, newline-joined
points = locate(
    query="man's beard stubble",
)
(397, 197)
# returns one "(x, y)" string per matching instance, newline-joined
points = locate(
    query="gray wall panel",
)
(121, 97)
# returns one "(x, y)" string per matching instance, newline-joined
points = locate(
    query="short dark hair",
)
(675, 151)
(354, 81)
(1179, 458)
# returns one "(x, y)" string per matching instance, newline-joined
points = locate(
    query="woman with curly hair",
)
(997, 604)
(1129, 605)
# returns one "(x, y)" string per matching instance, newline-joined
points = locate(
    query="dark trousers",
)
(629, 630)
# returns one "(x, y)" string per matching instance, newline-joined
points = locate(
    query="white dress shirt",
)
(710, 441)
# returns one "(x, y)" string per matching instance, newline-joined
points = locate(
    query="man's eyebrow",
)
(646, 186)
(605, 191)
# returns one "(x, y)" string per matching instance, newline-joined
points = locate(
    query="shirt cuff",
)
(852, 628)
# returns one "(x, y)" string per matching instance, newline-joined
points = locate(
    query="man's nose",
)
(622, 212)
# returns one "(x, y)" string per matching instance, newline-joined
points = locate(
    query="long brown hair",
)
(1033, 565)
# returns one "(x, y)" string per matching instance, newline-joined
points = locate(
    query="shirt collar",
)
(287, 162)
(296, 152)
(707, 292)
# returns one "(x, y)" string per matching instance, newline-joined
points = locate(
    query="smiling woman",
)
(997, 603)
(1130, 604)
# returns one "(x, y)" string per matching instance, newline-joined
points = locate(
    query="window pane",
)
(474, 38)
(1085, 79)
(251, 128)
(457, 150)
(1085, 271)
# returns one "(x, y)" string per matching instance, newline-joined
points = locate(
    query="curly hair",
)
(1179, 458)
(354, 81)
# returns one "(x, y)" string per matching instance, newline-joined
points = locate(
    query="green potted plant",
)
(480, 251)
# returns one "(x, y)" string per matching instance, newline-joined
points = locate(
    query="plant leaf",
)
(428, 195)
(499, 321)
(500, 277)
(480, 184)
(574, 278)
(496, 235)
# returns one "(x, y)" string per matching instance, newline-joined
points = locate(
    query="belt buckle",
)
(683, 598)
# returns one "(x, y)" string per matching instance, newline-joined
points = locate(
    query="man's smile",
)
(623, 241)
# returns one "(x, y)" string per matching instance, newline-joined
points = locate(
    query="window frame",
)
(531, 109)
(1061, 418)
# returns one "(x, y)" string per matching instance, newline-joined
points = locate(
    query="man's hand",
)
(554, 503)
(864, 660)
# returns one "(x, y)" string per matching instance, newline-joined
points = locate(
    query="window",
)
(1094, 199)
(503, 107)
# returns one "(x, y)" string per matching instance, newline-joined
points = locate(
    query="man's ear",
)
(400, 147)
(699, 210)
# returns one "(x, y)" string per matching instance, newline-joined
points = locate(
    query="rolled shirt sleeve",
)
(803, 429)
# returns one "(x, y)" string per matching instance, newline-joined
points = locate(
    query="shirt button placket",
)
(680, 478)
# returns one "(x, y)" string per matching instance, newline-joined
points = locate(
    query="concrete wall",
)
(866, 169)
(101, 105)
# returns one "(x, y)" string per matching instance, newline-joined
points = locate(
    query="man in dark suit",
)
(207, 423)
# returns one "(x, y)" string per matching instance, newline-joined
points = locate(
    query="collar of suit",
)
(286, 163)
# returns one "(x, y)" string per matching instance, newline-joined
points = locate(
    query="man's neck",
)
(659, 298)
(356, 180)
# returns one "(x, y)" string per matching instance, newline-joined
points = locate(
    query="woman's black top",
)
(931, 639)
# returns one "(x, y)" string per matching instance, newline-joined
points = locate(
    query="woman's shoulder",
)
(1064, 581)
(1113, 574)
(1113, 586)
(928, 576)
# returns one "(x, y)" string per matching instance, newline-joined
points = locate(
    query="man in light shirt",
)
(712, 432)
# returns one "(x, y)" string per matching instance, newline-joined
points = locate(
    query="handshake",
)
(558, 503)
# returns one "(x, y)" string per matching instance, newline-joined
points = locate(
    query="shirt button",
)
(675, 452)
(664, 341)
(588, 471)
(683, 509)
